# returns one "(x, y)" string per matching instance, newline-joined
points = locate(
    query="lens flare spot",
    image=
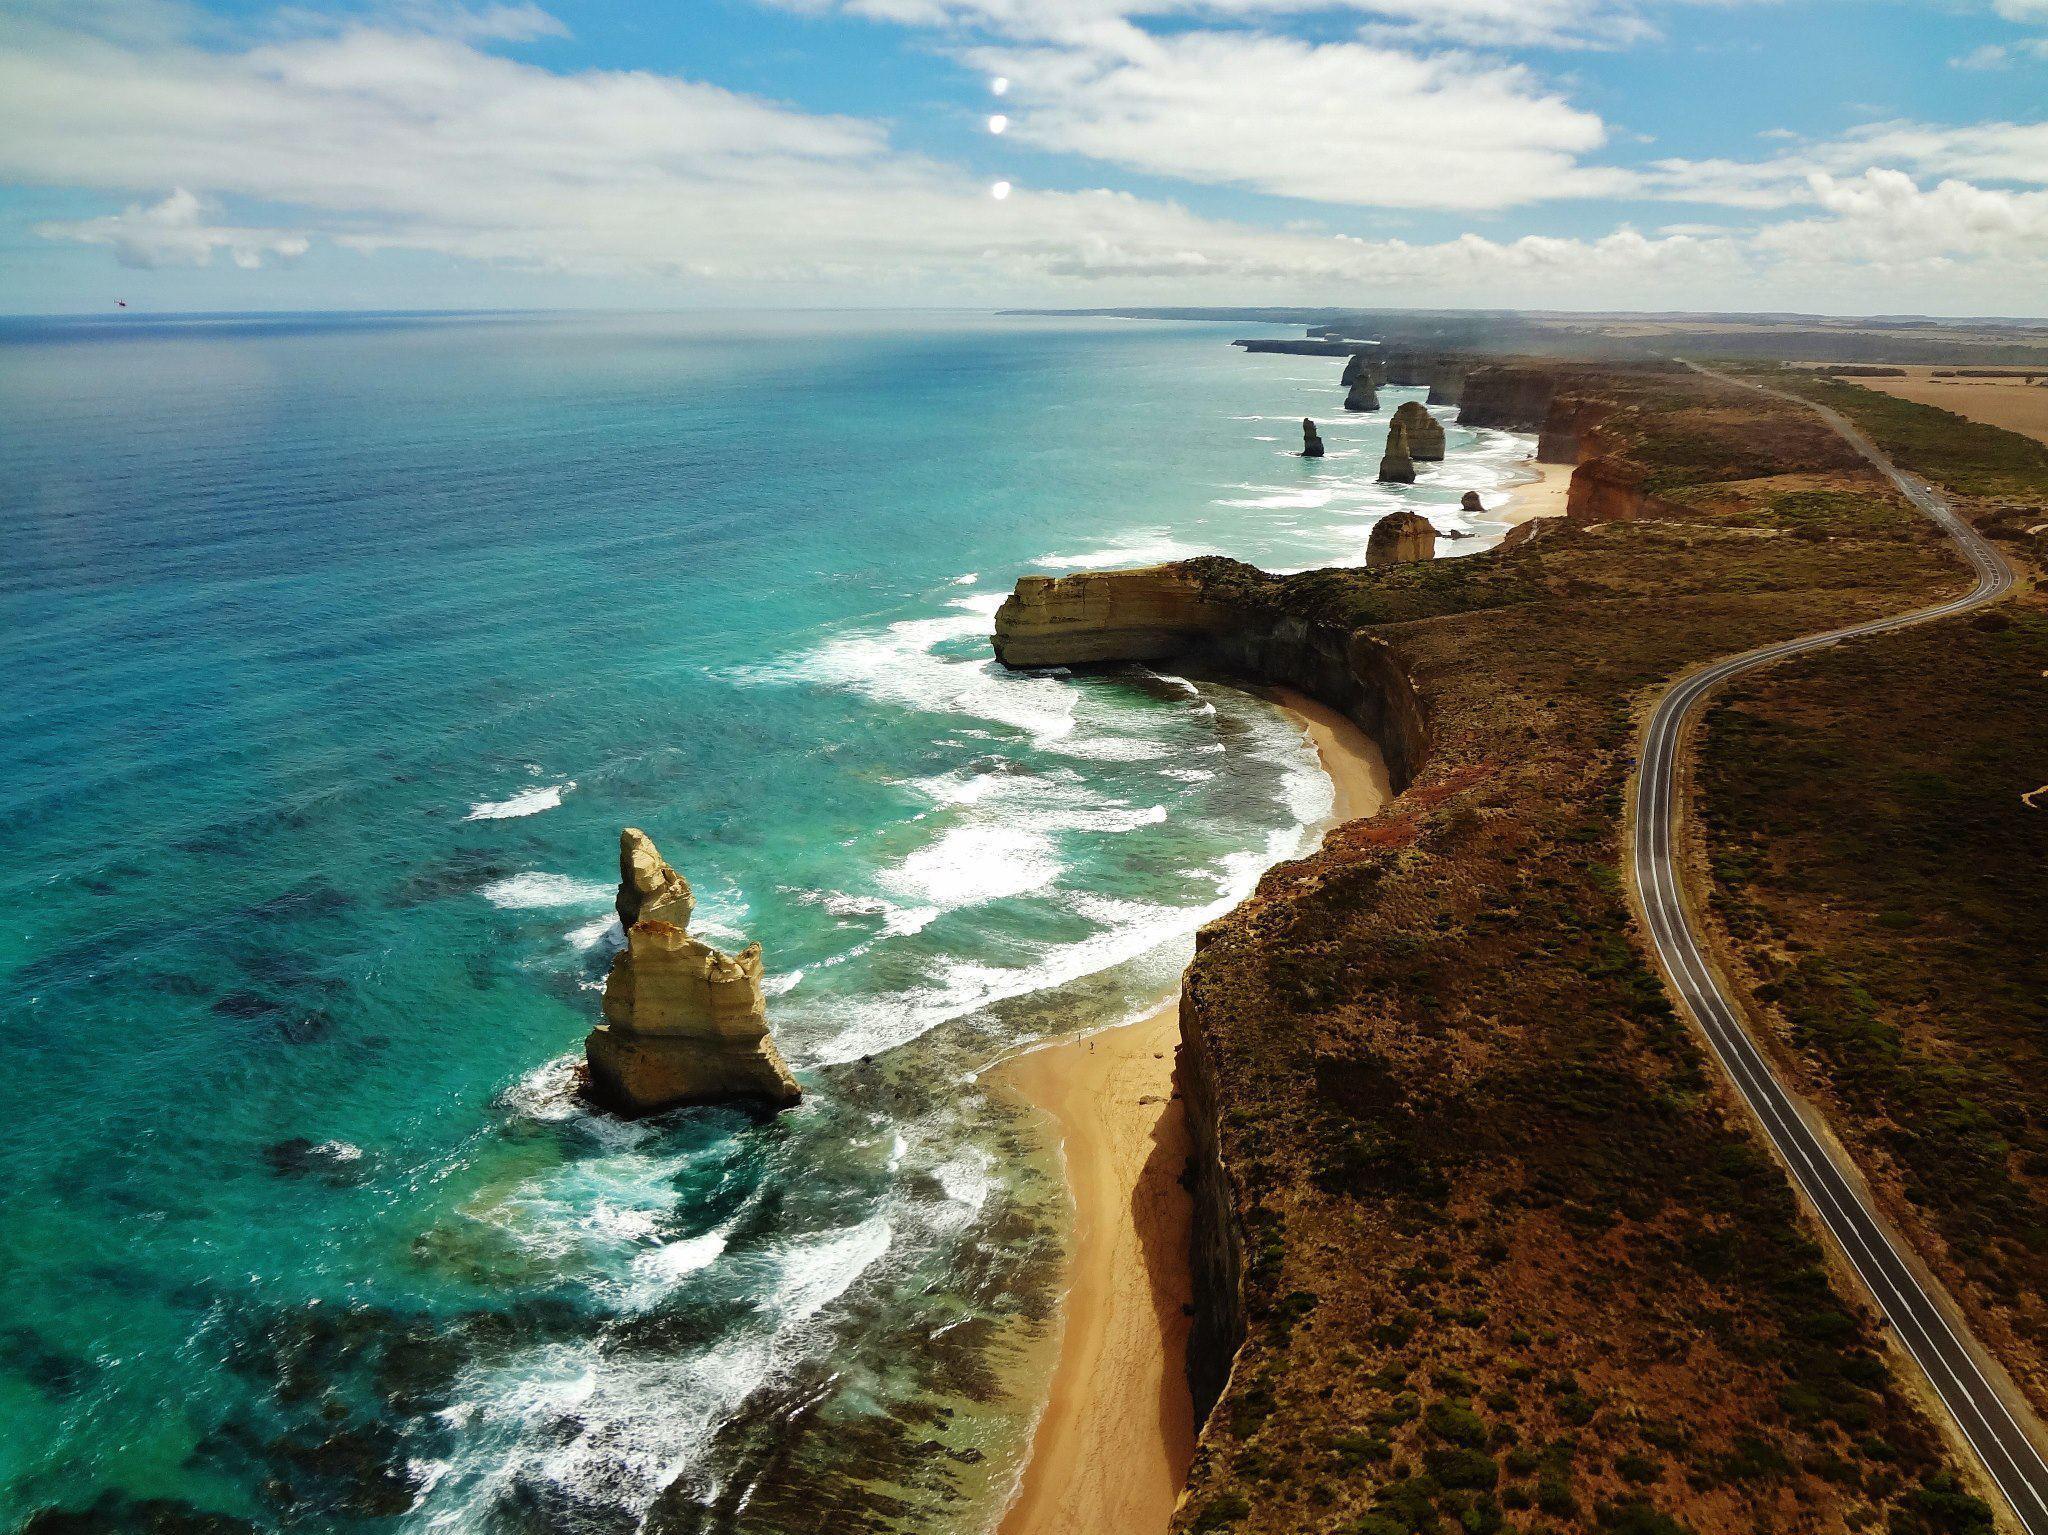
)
(1000, 85)
(1000, 190)
(999, 124)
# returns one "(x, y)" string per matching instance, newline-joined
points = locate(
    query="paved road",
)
(1919, 1320)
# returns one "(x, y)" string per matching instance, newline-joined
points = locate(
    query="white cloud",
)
(1487, 23)
(1337, 122)
(174, 233)
(373, 139)
(1884, 218)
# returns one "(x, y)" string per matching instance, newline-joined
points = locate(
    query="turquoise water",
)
(336, 653)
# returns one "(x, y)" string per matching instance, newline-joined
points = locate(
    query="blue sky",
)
(1830, 155)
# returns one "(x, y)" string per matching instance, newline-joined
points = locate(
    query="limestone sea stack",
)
(1362, 368)
(1397, 467)
(1471, 502)
(683, 1022)
(1400, 538)
(1425, 432)
(1361, 397)
(1311, 441)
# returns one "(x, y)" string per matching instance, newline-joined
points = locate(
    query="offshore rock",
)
(1363, 367)
(1425, 432)
(1311, 441)
(1471, 502)
(684, 1023)
(1399, 539)
(649, 890)
(1397, 466)
(1361, 397)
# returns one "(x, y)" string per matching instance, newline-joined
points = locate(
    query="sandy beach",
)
(1541, 497)
(1112, 1448)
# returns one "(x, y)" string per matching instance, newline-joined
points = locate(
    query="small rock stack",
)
(1311, 441)
(1398, 539)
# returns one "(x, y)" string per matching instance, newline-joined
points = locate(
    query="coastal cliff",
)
(1219, 615)
(1463, 1185)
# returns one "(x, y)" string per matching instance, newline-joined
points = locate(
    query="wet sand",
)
(1542, 497)
(1112, 1448)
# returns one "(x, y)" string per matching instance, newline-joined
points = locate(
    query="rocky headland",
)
(1478, 1228)
(684, 1023)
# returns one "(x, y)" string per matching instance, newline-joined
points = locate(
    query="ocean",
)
(337, 650)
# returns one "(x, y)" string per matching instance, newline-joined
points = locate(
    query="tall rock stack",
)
(1311, 440)
(1361, 397)
(1425, 432)
(683, 1022)
(1400, 538)
(1363, 367)
(1397, 467)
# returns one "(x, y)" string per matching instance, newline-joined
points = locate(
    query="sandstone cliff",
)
(1398, 539)
(1215, 614)
(1511, 399)
(1425, 432)
(1311, 440)
(1397, 464)
(683, 1022)
(1609, 490)
(1569, 429)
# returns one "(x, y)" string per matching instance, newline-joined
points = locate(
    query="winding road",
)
(1957, 1367)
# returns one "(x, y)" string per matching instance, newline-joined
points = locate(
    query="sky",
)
(1827, 156)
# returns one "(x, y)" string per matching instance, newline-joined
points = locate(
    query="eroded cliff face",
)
(1509, 399)
(1220, 615)
(684, 1023)
(1570, 429)
(1609, 490)
(1223, 616)
(1109, 615)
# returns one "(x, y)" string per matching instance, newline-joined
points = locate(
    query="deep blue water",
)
(336, 652)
